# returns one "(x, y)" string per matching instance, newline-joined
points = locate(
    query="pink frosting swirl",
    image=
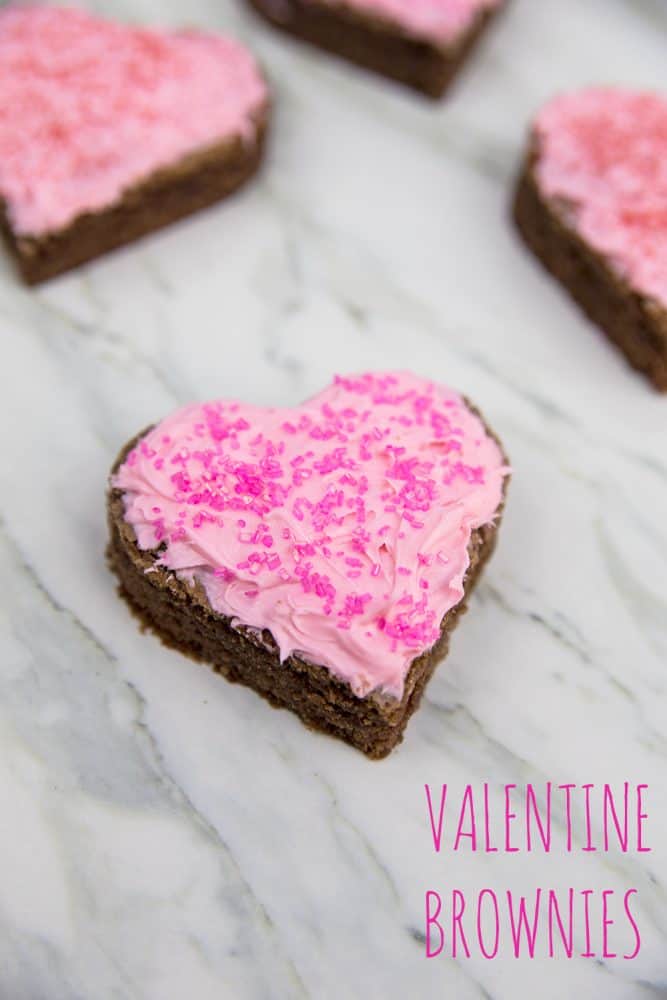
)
(603, 152)
(341, 526)
(443, 21)
(89, 107)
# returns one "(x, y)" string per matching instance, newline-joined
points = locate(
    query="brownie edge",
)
(171, 193)
(375, 43)
(182, 617)
(632, 321)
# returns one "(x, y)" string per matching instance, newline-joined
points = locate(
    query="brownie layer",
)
(375, 43)
(182, 617)
(632, 321)
(169, 194)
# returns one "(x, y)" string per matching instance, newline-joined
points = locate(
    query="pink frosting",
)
(341, 526)
(89, 107)
(442, 20)
(604, 151)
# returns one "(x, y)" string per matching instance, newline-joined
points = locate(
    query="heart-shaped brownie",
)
(593, 204)
(91, 111)
(343, 527)
(442, 21)
(603, 153)
(422, 43)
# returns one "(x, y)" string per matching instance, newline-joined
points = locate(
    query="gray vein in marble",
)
(99, 334)
(369, 852)
(73, 689)
(647, 608)
(559, 632)
(573, 644)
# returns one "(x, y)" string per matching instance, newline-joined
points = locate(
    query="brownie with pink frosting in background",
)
(592, 205)
(320, 555)
(108, 132)
(421, 43)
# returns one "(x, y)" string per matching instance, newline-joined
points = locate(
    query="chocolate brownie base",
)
(183, 618)
(168, 194)
(374, 42)
(635, 323)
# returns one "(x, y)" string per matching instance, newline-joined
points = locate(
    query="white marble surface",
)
(165, 835)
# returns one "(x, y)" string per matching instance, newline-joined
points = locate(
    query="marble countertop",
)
(166, 835)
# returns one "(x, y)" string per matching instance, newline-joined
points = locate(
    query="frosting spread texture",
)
(442, 20)
(89, 107)
(603, 151)
(341, 526)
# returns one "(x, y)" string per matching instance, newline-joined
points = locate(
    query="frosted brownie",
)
(108, 132)
(592, 205)
(321, 555)
(421, 43)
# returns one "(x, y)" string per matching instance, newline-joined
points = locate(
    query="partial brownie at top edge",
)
(622, 294)
(141, 127)
(376, 41)
(181, 613)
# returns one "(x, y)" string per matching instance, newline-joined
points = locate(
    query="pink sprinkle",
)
(224, 574)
